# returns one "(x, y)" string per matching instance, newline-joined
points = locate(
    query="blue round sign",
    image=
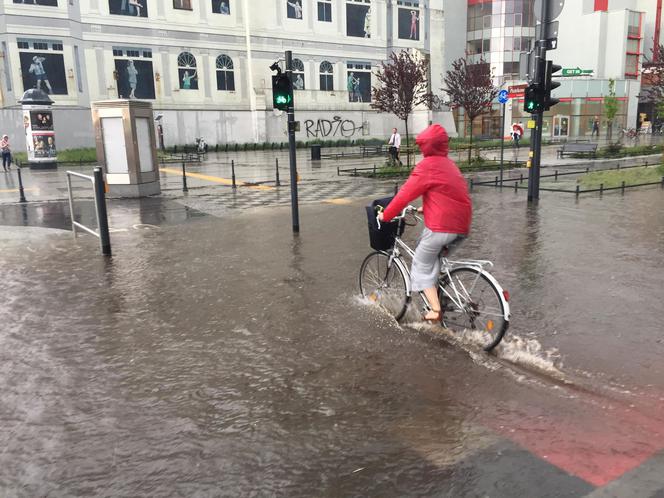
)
(502, 97)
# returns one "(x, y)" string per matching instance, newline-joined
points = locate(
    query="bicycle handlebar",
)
(408, 209)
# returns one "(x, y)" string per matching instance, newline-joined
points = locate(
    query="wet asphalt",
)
(216, 354)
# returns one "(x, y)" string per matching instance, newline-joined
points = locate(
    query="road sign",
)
(576, 71)
(503, 97)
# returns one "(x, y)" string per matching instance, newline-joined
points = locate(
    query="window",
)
(486, 45)
(634, 27)
(294, 9)
(409, 24)
(182, 4)
(225, 74)
(136, 8)
(632, 65)
(358, 18)
(187, 73)
(633, 46)
(221, 7)
(50, 3)
(358, 81)
(298, 74)
(134, 74)
(42, 65)
(325, 11)
(326, 76)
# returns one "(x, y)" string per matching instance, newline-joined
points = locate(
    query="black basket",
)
(382, 239)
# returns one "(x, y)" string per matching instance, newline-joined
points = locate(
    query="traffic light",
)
(550, 85)
(282, 91)
(532, 101)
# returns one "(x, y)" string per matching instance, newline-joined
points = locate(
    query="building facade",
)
(598, 41)
(204, 64)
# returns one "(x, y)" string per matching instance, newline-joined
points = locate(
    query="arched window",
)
(326, 77)
(225, 75)
(298, 75)
(187, 73)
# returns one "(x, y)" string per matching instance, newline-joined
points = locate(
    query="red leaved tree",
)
(403, 86)
(470, 86)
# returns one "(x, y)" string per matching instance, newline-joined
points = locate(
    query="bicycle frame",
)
(460, 295)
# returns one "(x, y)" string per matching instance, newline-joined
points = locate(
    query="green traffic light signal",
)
(282, 92)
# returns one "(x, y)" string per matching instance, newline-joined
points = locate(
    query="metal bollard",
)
(102, 215)
(374, 170)
(233, 172)
(496, 181)
(396, 188)
(623, 187)
(516, 186)
(521, 178)
(555, 176)
(663, 182)
(601, 188)
(184, 178)
(471, 184)
(276, 159)
(577, 191)
(21, 193)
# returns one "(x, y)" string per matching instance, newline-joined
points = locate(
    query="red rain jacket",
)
(446, 203)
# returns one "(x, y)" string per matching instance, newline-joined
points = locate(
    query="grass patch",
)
(87, 155)
(615, 177)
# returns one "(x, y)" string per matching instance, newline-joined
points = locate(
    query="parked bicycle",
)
(629, 133)
(471, 298)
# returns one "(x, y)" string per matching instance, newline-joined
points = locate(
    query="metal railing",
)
(100, 209)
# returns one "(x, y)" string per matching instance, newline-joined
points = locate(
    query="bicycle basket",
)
(382, 239)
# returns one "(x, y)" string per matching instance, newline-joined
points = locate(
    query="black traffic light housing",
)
(549, 85)
(282, 90)
(532, 101)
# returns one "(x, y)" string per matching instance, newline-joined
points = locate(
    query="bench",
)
(374, 150)
(578, 148)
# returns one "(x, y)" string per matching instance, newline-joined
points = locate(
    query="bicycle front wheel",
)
(384, 284)
(471, 303)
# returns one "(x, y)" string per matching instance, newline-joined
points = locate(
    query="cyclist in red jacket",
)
(447, 211)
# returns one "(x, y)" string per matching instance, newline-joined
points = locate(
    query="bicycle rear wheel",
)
(481, 311)
(385, 285)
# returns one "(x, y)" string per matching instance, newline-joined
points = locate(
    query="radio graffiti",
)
(331, 127)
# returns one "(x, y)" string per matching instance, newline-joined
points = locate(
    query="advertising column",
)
(39, 129)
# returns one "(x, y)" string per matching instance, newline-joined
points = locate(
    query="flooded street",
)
(221, 356)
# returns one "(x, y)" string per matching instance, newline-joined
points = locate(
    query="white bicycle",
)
(470, 297)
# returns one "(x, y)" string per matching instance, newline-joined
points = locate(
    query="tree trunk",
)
(609, 132)
(470, 145)
(407, 149)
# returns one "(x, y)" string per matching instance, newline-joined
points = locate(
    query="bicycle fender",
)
(491, 278)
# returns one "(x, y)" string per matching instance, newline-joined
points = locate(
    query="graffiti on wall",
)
(335, 127)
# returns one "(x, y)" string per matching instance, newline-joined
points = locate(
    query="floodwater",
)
(225, 357)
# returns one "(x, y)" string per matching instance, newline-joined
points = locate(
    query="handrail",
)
(100, 209)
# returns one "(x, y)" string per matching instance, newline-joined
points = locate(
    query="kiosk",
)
(39, 129)
(126, 147)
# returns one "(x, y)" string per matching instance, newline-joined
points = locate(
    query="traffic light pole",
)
(536, 134)
(291, 149)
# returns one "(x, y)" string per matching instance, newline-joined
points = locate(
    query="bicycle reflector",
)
(506, 295)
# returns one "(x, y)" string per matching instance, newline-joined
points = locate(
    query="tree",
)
(470, 86)
(653, 81)
(610, 108)
(403, 86)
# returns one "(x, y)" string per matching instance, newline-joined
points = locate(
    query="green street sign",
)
(576, 71)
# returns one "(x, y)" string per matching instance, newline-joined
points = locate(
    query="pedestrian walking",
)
(395, 146)
(6, 153)
(517, 133)
(595, 127)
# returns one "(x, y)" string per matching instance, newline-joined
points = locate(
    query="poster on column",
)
(44, 71)
(221, 7)
(358, 20)
(359, 86)
(409, 24)
(134, 79)
(39, 135)
(137, 8)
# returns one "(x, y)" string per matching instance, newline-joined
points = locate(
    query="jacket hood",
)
(433, 141)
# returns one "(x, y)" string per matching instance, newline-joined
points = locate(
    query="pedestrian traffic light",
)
(532, 101)
(550, 85)
(282, 91)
